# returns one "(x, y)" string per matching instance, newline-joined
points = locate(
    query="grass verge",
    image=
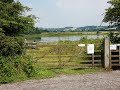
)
(43, 73)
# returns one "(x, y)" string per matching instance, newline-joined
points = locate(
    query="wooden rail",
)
(56, 52)
(115, 57)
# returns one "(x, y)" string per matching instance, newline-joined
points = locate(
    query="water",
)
(71, 38)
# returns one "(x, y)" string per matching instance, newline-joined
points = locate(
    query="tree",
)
(112, 16)
(35, 30)
(13, 19)
(113, 13)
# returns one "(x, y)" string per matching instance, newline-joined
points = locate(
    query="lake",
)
(71, 38)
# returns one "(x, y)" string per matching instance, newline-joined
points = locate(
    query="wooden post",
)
(93, 60)
(59, 56)
(107, 53)
(110, 58)
(119, 55)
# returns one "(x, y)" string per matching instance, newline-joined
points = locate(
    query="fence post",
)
(93, 60)
(107, 53)
(119, 55)
(59, 55)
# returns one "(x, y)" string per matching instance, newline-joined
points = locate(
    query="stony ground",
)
(94, 81)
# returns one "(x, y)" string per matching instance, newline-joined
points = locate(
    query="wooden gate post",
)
(59, 55)
(106, 53)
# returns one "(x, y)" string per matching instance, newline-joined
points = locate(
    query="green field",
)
(75, 33)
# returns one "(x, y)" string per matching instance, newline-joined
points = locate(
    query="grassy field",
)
(46, 59)
(74, 33)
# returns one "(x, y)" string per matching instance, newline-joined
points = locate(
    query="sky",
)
(67, 13)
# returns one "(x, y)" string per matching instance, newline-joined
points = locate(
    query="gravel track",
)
(94, 81)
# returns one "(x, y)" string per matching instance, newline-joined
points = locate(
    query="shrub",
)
(7, 71)
(114, 38)
(14, 64)
(11, 46)
(27, 65)
(15, 68)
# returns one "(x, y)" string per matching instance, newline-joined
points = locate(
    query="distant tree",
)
(46, 30)
(38, 30)
(35, 30)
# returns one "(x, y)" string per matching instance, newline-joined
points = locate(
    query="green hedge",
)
(13, 69)
(11, 46)
(14, 64)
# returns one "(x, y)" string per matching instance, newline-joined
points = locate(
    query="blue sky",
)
(64, 13)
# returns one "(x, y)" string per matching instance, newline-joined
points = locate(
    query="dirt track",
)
(94, 81)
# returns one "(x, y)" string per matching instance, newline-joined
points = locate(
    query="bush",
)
(15, 68)
(7, 71)
(114, 38)
(14, 64)
(11, 46)
(27, 65)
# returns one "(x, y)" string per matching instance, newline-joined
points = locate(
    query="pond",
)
(69, 37)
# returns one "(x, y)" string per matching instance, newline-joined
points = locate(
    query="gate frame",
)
(107, 62)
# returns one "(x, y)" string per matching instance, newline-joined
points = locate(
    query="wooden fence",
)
(62, 55)
(66, 56)
(115, 57)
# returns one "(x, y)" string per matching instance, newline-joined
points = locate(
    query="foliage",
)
(38, 30)
(13, 19)
(112, 16)
(114, 38)
(34, 30)
(11, 46)
(15, 68)
(13, 64)
(113, 13)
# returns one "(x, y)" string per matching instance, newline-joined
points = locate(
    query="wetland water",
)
(69, 37)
